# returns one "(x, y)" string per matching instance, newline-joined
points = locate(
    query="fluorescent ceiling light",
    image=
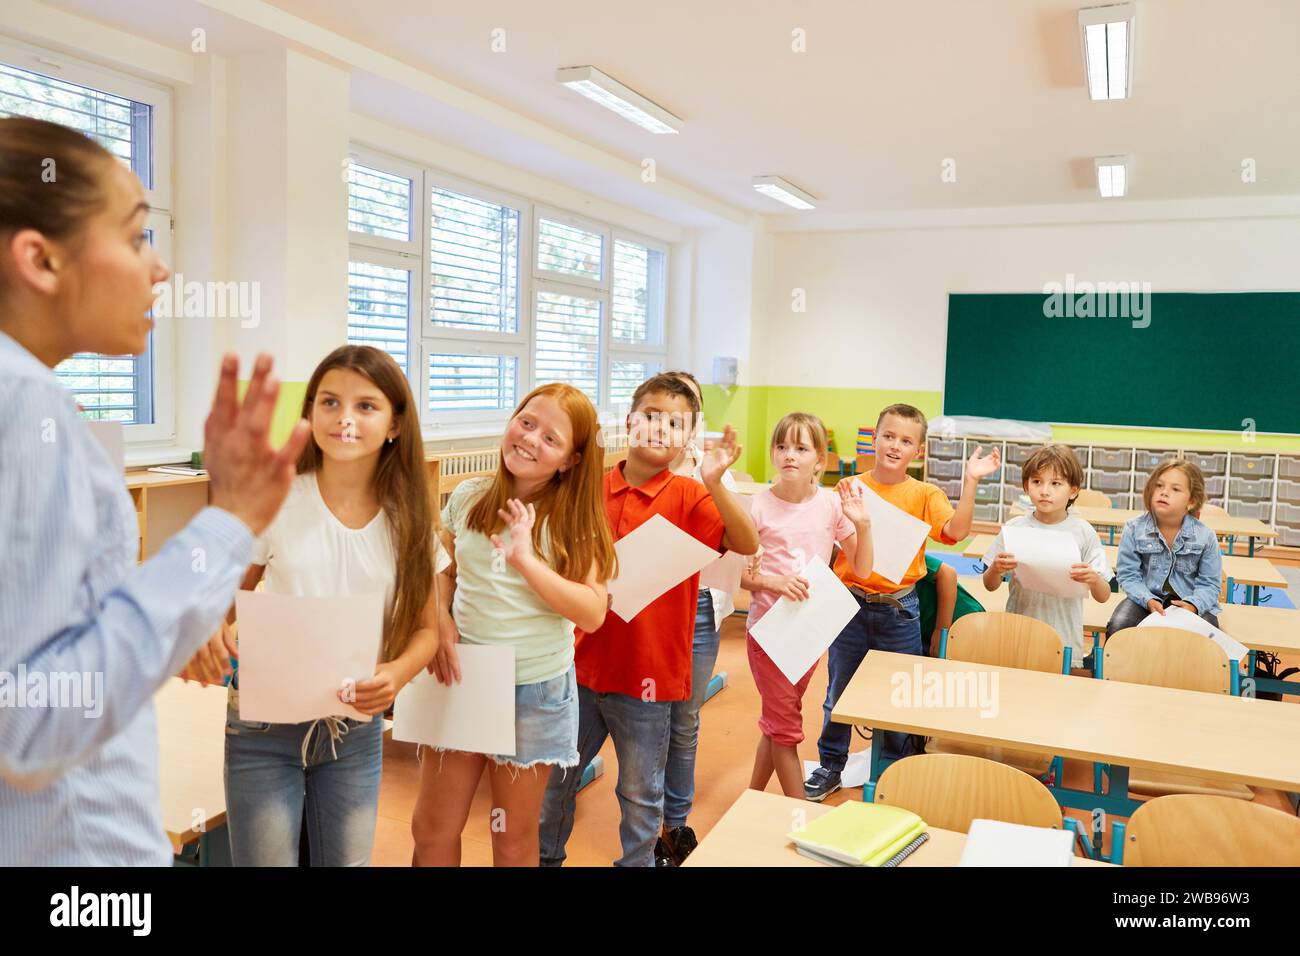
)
(613, 95)
(782, 191)
(1107, 34)
(1112, 176)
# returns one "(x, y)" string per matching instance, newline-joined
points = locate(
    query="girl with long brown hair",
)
(358, 520)
(532, 551)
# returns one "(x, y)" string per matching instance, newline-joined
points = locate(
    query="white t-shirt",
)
(1064, 614)
(309, 552)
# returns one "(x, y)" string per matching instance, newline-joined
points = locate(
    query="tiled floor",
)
(728, 735)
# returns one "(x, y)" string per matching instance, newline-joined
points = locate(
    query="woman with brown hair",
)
(79, 784)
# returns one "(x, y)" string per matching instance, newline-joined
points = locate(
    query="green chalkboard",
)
(1204, 361)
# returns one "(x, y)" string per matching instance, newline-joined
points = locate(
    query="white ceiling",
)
(864, 118)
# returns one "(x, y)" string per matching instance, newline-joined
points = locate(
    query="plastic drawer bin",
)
(1287, 514)
(944, 468)
(1246, 489)
(1011, 473)
(950, 488)
(988, 491)
(987, 513)
(1288, 467)
(1147, 460)
(1288, 537)
(1126, 502)
(1252, 466)
(945, 449)
(1019, 454)
(1112, 459)
(1210, 462)
(1109, 481)
(1260, 510)
(1214, 486)
(1288, 491)
(1011, 495)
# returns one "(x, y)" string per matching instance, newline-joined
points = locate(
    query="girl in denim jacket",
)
(1166, 556)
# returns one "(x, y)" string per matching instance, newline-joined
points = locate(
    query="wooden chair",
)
(1090, 498)
(1195, 830)
(950, 790)
(1169, 657)
(1006, 640)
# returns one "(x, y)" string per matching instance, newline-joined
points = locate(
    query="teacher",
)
(78, 784)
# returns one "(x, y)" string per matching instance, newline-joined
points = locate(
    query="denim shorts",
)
(546, 723)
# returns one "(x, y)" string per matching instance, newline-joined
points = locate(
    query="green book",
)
(859, 834)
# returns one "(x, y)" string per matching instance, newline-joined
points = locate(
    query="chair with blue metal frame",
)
(949, 791)
(1198, 830)
(1005, 640)
(1170, 657)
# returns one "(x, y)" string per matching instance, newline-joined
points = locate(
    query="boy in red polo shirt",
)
(629, 674)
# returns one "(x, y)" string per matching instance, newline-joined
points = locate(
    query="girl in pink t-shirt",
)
(797, 520)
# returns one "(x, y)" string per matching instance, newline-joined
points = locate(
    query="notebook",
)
(994, 843)
(861, 834)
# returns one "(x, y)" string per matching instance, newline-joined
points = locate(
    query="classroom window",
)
(379, 203)
(472, 382)
(496, 294)
(379, 308)
(131, 120)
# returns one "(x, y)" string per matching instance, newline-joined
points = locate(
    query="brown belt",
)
(877, 598)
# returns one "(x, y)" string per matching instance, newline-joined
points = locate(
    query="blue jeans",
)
(679, 775)
(640, 730)
(267, 787)
(875, 627)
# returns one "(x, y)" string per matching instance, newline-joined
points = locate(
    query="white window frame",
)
(16, 53)
(426, 339)
(651, 352)
(435, 339)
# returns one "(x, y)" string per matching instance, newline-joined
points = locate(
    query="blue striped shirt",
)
(79, 787)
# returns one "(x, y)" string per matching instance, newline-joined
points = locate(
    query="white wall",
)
(877, 300)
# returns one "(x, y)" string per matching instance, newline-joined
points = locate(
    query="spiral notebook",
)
(861, 834)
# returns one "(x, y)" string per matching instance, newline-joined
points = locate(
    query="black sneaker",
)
(821, 784)
(682, 842)
(663, 855)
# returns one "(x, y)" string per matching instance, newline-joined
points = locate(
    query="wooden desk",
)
(1229, 527)
(1252, 573)
(191, 755)
(1126, 725)
(752, 833)
(164, 504)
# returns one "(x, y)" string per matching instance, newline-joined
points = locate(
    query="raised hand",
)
(719, 456)
(854, 502)
(519, 519)
(980, 465)
(247, 476)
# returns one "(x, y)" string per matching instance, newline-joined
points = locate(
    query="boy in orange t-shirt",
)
(888, 617)
(630, 673)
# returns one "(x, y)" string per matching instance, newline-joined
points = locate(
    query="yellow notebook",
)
(859, 834)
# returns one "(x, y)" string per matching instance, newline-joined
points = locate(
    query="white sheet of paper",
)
(476, 716)
(796, 633)
(295, 653)
(1184, 619)
(111, 436)
(653, 558)
(896, 536)
(724, 573)
(1043, 560)
(856, 772)
(995, 843)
